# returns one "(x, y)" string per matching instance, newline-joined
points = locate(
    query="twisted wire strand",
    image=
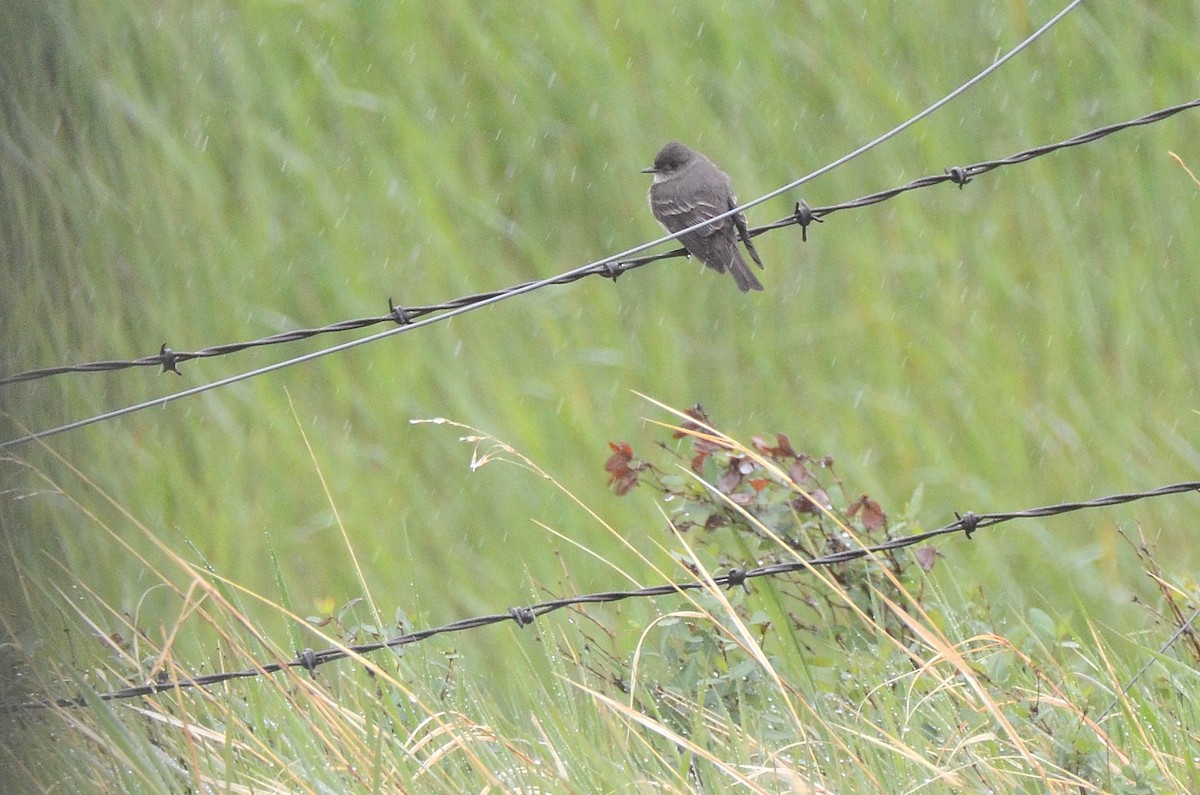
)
(308, 659)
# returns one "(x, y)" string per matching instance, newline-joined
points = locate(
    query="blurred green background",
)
(206, 173)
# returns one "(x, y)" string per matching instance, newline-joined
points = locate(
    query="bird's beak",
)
(649, 170)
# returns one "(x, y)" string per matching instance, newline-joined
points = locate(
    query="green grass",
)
(199, 175)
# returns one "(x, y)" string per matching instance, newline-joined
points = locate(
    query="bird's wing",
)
(677, 213)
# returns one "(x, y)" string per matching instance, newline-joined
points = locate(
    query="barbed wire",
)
(408, 318)
(611, 267)
(168, 360)
(967, 523)
(961, 175)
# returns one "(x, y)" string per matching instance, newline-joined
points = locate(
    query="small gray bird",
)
(689, 188)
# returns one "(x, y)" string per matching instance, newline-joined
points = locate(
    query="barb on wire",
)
(310, 660)
(961, 175)
(610, 268)
(404, 316)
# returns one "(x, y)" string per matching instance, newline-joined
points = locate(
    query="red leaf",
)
(784, 446)
(782, 449)
(873, 517)
(624, 483)
(813, 502)
(621, 450)
(926, 557)
(803, 504)
(620, 474)
(698, 413)
(617, 463)
(730, 479)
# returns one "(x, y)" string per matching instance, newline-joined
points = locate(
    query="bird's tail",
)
(742, 275)
(739, 221)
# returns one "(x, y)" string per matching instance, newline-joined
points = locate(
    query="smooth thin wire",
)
(1184, 627)
(164, 399)
(959, 175)
(1037, 34)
